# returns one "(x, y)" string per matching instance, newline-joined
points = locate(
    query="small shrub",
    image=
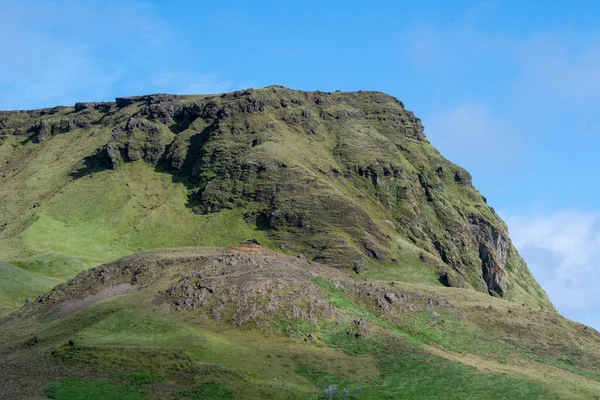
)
(333, 392)
(567, 360)
(330, 392)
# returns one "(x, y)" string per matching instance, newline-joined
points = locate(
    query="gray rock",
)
(390, 297)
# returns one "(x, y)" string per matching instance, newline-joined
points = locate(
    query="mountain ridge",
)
(288, 159)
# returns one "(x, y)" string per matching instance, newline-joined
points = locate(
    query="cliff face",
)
(345, 179)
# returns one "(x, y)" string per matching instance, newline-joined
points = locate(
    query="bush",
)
(333, 392)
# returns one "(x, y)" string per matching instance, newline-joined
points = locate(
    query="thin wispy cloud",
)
(562, 250)
(76, 51)
(538, 73)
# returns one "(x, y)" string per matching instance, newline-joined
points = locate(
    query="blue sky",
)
(509, 90)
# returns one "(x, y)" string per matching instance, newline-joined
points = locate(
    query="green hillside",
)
(347, 179)
(266, 243)
(244, 322)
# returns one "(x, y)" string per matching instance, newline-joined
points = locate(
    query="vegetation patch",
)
(139, 378)
(422, 376)
(18, 284)
(81, 389)
(209, 390)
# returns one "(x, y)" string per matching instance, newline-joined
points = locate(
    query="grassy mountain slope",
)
(347, 179)
(245, 322)
(382, 272)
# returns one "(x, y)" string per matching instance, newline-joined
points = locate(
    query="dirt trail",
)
(250, 249)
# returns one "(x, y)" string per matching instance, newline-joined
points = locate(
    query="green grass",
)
(150, 350)
(337, 336)
(104, 214)
(417, 375)
(446, 329)
(80, 389)
(139, 378)
(429, 377)
(112, 334)
(17, 284)
(336, 297)
(210, 390)
(134, 209)
(129, 328)
(323, 380)
(407, 372)
(51, 265)
(450, 331)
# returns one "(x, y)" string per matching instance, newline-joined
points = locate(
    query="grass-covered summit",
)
(346, 179)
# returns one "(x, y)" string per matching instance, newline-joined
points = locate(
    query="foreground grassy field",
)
(333, 339)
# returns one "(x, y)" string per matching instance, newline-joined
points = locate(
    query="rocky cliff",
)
(346, 179)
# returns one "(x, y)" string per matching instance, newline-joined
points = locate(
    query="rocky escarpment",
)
(245, 285)
(346, 179)
(40, 125)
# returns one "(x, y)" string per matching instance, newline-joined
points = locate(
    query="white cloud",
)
(562, 250)
(561, 63)
(531, 78)
(455, 47)
(38, 67)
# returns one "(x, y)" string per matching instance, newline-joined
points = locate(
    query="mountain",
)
(266, 242)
